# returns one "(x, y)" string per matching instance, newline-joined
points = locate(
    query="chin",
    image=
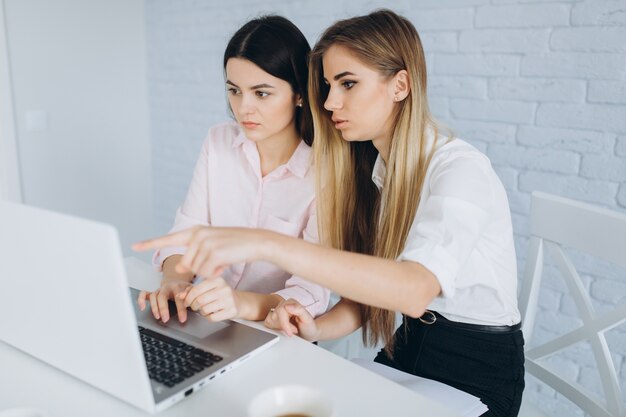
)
(345, 134)
(351, 137)
(254, 136)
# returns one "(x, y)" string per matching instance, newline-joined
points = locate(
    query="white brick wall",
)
(535, 15)
(602, 91)
(601, 13)
(504, 40)
(588, 66)
(476, 64)
(589, 39)
(538, 85)
(603, 117)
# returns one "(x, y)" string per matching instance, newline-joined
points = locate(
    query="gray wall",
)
(78, 75)
(539, 86)
(10, 188)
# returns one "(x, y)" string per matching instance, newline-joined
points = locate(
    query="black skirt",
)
(488, 365)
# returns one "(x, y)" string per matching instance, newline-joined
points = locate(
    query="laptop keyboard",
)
(171, 361)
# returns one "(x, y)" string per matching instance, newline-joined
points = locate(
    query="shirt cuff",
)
(314, 306)
(439, 262)
(162, 254)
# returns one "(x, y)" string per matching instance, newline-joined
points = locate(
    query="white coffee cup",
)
(22, 412)
(286, 400)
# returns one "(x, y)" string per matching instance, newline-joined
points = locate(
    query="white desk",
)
(355, 391)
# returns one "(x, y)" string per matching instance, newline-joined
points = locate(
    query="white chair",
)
(557, 222)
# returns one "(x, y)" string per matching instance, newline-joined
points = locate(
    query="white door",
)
(78, 77)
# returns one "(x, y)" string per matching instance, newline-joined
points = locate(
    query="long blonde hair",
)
(349, 204)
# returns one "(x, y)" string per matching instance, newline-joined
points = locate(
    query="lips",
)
(339, 123)
(249, 125)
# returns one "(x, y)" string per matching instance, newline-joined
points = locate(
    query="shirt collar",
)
(379, 172)
(300, 161)
(240, 139)
(298, 164)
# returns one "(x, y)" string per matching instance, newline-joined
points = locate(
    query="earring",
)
(299, 105)
(395, 99)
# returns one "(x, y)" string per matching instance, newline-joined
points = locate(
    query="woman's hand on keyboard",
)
(158, 299)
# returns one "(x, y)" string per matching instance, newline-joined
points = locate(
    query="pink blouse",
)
(227, 189)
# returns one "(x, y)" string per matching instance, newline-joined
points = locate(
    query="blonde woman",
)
(410, 220)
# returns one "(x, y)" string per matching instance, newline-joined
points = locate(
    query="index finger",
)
(175, 239)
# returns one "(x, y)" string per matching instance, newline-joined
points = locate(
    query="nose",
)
(246, 105)
(333, 101)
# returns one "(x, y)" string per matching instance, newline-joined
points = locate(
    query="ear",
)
(298, 100)
(401, 85)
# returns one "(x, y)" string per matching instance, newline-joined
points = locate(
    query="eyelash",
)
(260, 94)
(347, 84)
(344, 84)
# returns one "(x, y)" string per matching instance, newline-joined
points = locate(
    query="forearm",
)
(341, 320)
(169, 269)
(407, 287)
(253, 306)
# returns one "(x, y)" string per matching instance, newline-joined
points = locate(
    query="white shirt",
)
(229, 190)
(462, 233)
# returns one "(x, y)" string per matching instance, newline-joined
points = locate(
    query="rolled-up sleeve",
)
(451, 218)
(314, 297)
(195, 209)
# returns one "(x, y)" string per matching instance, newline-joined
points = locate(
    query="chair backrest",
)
(557, 222)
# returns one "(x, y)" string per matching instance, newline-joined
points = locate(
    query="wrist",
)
(185, 279)
(241, 305)
(312, 337)
(269, 246)
(318, 332)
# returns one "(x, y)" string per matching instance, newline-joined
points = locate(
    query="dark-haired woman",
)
(254, 172)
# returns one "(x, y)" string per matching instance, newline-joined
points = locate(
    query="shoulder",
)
(460, 156)
(460, 170)
(457, 149)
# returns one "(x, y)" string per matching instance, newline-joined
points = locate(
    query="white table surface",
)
(354, 391)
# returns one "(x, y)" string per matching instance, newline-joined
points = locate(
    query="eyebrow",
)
(340, 75)
(254, 87)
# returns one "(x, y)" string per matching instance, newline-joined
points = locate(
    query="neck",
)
(277, 150)
(382, 146)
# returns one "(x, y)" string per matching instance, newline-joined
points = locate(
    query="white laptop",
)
(66, 302)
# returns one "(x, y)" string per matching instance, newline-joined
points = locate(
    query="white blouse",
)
(462, 233)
